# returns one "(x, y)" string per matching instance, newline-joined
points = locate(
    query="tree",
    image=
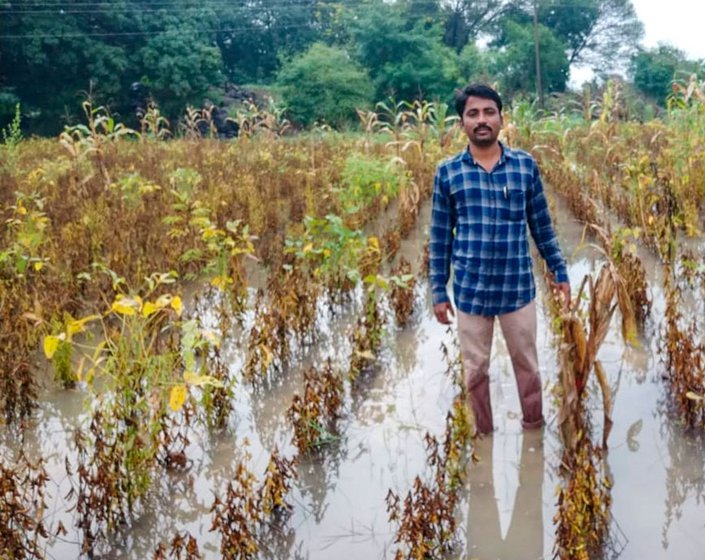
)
(254, 34)
(324, 84)
(653, 70)
(466, 19)
(474, 64)
(404, 62)
(50, 62)
(54, 54)
(515, 64)
(599, 33)
(178, 66)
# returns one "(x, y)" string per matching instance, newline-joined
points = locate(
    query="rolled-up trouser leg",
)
(475, 337)
(519, 329)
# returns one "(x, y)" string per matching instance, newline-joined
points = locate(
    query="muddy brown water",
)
(339, 512)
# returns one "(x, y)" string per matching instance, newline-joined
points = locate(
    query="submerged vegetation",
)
(165, 277)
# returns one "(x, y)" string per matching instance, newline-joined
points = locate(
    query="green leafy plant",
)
(146, 364)
(28, 228)
(12, 134)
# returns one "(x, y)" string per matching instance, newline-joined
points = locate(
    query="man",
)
(483, 200)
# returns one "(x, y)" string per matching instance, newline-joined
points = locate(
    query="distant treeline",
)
(323, 57)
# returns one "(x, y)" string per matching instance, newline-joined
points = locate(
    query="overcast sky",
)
(677, 22)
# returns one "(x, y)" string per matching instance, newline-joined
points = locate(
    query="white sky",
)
(677, 22)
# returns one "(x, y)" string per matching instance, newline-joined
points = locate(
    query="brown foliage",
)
(23, 491)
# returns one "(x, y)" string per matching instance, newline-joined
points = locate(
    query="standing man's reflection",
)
(524, 539)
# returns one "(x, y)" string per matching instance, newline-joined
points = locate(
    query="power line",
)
(175, 8)
(86, 7)
(62, 6)
(151, 32)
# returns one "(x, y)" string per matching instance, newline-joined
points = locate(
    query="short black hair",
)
(475, 90)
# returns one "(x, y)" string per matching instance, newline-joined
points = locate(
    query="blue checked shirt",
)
(479, 226)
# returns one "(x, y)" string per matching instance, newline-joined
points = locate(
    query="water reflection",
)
(524, 537)
(279, 541)
(405, 344)
(685, 483)
(318, 475)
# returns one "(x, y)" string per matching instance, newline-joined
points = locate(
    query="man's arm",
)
(440, 247)
(544, 235)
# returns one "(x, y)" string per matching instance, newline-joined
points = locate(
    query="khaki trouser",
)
(475, 337)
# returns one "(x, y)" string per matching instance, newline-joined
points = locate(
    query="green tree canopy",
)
(254, 34)
(514, 61)
(178, 67)
(600, 34)
(324, 84)
(405, 63)
(474, 64)
(653, 70)
(54, 54)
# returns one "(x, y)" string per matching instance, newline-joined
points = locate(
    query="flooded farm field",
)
(226, 349)
(338, 511)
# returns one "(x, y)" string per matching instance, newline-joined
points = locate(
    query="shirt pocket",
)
(512, 207)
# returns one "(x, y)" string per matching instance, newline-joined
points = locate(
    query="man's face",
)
(482, 121)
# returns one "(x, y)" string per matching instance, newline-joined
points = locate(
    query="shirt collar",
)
(506, 153)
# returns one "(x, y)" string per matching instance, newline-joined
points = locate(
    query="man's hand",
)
(442, 311)
(562, 290)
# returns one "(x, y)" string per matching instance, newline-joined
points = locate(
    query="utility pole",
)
(537, 55)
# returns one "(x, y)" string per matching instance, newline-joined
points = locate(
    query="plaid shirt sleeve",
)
(542, 231)
(441, 237)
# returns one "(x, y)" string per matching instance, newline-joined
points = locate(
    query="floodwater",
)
(339, 511)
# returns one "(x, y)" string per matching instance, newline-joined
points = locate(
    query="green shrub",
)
(324, 84)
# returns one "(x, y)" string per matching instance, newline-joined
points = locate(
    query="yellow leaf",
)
(221, 282)
(201, 380)
(38, 265)
(149, 308)
(126, 305)
(122, 309)
(308, 248)
(176, 305)
(694, 396)
(163, 301)
(209, 233)
(177, 398)
(51, 343)
(79, 325)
